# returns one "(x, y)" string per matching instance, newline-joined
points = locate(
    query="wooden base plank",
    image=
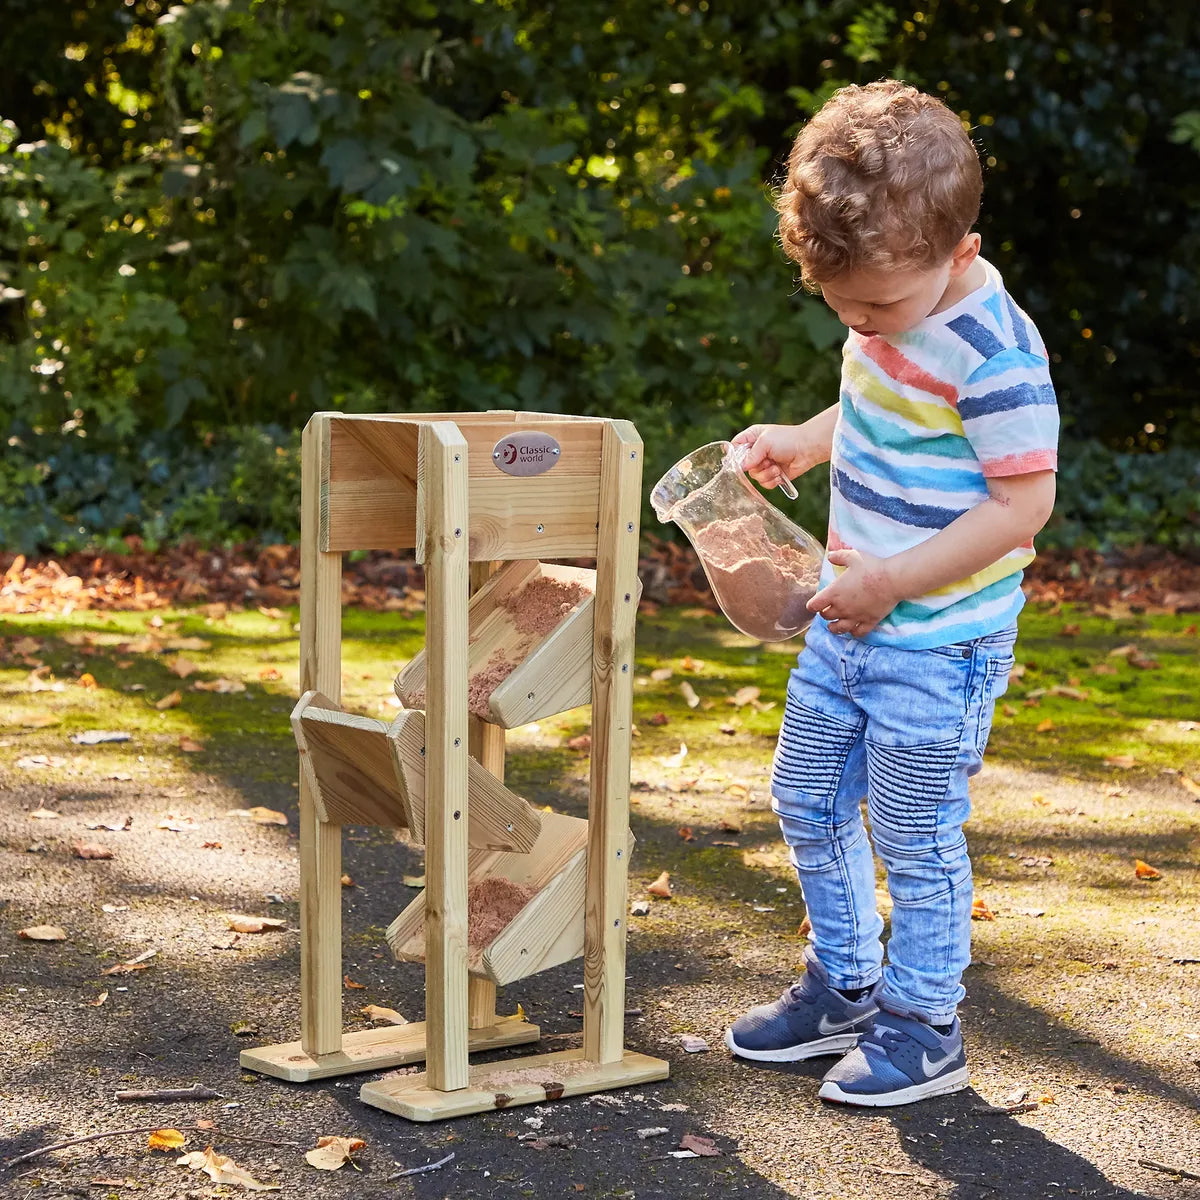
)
(531, 1080)
(375, 1050)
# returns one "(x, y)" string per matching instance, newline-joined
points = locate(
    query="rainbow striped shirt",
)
(927, 416)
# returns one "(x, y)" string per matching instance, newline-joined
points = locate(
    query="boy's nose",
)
(851, 317)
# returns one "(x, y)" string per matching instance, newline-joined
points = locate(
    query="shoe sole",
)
(838, 1043)
(943, 1085)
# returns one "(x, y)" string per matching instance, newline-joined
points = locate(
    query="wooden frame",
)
(431, 482)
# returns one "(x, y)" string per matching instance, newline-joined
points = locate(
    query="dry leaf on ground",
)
(689, 694)
(177, 822)
(661, 674)
(1124, 761)
(240, 923)
(166, 1139)
(43, 814)
(223, 686)
(676, 760)
(658, 719)
(1145, 870)
(361, 987)
(221, 1169)
(582, 742)
(703, 1146)
(91, 850)
(181, 667)
(170, 700)
(259, 815)
(661, 887)
(190, 745)
(980, 911)
(331, 1153)
(43, 933)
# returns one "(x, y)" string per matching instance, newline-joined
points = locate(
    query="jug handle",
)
(738, 456)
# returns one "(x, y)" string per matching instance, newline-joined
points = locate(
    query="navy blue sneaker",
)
(808, 1020)
(898, 1060)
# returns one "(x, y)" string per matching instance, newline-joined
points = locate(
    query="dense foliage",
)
(219, 216)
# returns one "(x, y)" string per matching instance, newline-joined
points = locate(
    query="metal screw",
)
(457, 814)
(495, 453)
(458, 741)
(625, 668)
(541, 529)
(619, 853)
(555, 450)
(629, 527)
(509, 827)
(530, 696)
(458, 533)
(633, 454)
(458, 458)
(617, 923)
(627, 597)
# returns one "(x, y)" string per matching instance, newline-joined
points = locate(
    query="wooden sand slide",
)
(485, 499)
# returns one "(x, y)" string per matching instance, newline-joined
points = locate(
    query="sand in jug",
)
(762, 567)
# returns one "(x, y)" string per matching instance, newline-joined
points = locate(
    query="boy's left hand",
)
(860, 597)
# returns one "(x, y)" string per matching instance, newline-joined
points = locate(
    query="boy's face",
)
(872, 302)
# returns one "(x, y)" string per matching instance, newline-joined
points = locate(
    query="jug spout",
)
(762, 567)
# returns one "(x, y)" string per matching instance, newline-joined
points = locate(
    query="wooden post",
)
(612, 719)
(442, 492)
(485, 742)
(320, 843)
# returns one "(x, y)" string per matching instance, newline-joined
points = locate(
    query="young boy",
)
(942, 451)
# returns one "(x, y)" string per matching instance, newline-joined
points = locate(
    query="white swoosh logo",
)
(826, 1026)
(930, 1067)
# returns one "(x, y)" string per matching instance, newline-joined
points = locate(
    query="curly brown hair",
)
(883, 177)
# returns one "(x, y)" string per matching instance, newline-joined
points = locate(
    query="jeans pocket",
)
(995, 684)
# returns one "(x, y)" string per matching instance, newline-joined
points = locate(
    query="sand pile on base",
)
(492, 904)
(761, 585)
(539, 606)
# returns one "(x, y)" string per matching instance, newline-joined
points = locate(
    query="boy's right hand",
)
(775, 452)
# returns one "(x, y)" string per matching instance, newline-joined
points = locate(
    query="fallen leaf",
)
(259, 815)
(1145, 870)
(658, 719)
(805, 929)
(222, 686)
(96, 737)
(240, 923)
(702, 1146)
(736, 791)
(191, 746)
(413, 881)
(1190, 785)
(112, 826)
(1045, 726)
(170, 700)
(333, 1152)
(166, 1139)
(1123, 651)
(1069, 630)
(661, 887)
(1069, 693)
(211, 846)
(188, 643)
(90, 850)
(582, 742)
(728, 826)
(181, 667)
(675, 760)
(37, 720)
(177, 822)
(34, 761)
(43, 814)
(125, 968)
(980, 911)
(347, 881)
(1104, 669)
(1125, 761)
(661, 674)
(362, 987)
(388, 1016)
(243, 1029)
(42, 933)
(87, 680)
(221, 1169)
(744, 695)
(693, 1044)
(99, 1000)
(1041, 801)
(270, 674)
(689, 694)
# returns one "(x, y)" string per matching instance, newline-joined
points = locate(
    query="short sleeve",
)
(1010, 414)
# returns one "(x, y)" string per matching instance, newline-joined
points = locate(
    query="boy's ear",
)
(965, 253)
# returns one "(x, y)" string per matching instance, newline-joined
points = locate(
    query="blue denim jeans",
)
(905, 729)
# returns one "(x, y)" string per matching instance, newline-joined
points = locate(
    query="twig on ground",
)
(213, 1134)
(91, 1137)
(168, 1095)
(1157, 1166)
(441, 1162)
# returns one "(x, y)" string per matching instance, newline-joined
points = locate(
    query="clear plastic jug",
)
(762, 567)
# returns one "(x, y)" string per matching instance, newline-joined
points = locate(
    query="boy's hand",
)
(776, 452)
(860, 597)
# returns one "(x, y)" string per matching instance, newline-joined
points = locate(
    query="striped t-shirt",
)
(927, 416)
